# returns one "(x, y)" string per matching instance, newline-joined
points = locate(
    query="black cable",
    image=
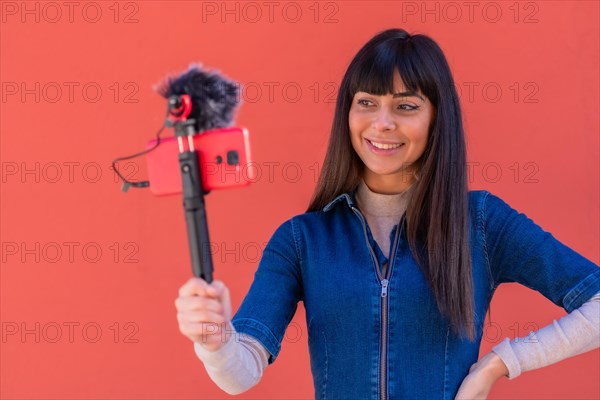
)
(141, 184)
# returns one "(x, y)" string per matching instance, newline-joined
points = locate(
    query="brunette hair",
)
(437, 211)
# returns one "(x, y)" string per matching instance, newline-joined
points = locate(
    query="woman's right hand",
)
(204, 312)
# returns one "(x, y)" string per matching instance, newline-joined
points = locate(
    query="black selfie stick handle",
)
(195, 215)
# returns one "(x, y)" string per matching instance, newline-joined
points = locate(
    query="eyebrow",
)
(407, 94)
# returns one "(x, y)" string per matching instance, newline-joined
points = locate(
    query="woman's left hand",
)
(482, 376)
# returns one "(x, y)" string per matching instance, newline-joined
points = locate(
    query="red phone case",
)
(213, 147)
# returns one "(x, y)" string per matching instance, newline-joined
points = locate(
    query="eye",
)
(363, 102)
(408, 107)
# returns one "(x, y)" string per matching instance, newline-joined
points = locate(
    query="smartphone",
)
(224, 158)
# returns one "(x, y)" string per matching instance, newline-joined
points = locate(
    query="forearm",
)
(573, 334)
(238, 365)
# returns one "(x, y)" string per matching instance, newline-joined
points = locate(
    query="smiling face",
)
(389, 133)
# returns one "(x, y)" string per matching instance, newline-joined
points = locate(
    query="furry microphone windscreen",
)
(214, 98)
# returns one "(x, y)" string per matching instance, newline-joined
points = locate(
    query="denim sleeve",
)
(518, 250)
(272, 299)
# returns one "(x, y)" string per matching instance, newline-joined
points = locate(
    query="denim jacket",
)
(380, 336)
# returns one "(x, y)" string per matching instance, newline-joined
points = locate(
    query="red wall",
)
(89, 274)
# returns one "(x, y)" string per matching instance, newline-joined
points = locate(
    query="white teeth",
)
(385, 146)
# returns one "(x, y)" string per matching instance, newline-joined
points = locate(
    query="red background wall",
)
(89, 274)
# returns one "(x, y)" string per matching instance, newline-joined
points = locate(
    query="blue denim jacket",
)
(375, 336)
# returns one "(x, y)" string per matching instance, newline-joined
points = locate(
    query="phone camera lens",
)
(219, 159)
(233, 157)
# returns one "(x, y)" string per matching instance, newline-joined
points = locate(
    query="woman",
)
(396, 261)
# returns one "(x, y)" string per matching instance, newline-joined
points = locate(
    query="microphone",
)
(213, 97)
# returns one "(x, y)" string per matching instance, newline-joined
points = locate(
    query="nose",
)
(383, 121)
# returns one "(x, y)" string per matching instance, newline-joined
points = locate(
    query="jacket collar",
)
(350, 200)
(348, 197)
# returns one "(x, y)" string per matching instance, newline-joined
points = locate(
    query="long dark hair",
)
(437, 211)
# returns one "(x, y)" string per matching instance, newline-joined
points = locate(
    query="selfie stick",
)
(214, 99)
(193, 193)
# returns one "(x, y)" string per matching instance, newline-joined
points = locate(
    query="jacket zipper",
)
(384, 280)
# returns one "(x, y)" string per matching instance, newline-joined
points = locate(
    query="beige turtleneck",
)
(382, 212)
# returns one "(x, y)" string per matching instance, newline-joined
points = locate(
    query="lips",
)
(384, 145)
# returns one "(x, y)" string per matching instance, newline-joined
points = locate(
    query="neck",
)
(381, 204)
(388, 184)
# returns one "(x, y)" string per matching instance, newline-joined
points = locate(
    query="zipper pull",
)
(384, 285)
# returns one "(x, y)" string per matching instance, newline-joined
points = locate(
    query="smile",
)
(385, 146)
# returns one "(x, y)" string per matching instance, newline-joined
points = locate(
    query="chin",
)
(385, 171)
